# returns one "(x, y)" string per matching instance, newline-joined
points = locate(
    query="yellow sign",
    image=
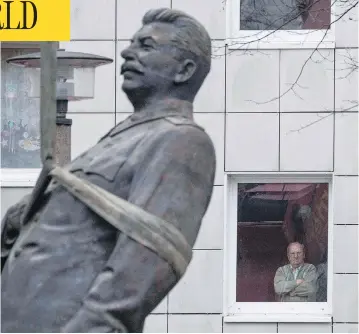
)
(35, 20)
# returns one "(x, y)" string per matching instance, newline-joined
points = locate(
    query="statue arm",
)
(11, 226)
(173, 182)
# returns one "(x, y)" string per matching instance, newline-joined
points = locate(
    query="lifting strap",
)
(147, 229)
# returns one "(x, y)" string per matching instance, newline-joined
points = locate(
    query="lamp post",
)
(75, 81)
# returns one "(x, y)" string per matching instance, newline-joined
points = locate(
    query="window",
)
(275, 24)
(264, 215)
(20, 121)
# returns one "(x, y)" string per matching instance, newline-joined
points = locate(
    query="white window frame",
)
(19, 177)
(270, 39)
(234, 311)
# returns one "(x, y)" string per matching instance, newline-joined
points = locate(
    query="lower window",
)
(277, 232)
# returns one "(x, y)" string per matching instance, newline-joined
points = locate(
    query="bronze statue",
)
(69, 269)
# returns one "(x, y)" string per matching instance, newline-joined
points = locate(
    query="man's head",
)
(295, 252)
(169, 56)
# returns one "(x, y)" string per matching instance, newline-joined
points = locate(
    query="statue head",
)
(170, 56)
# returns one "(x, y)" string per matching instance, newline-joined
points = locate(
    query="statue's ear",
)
(185, 71)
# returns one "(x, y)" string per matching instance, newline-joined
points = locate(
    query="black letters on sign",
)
(20, 25)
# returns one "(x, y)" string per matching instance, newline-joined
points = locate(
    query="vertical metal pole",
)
(47, 125)
(63, 134)
(55, 127)
(48, 101)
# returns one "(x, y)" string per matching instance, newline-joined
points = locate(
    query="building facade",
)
(282, 112)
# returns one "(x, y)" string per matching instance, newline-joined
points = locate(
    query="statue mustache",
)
(137, 68)
(131, 66)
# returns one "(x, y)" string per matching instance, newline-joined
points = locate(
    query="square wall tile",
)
(345, 328)
(201, 288)
(161, 307)
(104, 100)
(252, 142)
(346, 144)
(259, 327)
(346, 25)
(10, 196)
(345, 200)
(130, 13)
(156, 323)
(213, 124)
(211, 96)
(210, 13)
(211, 232)
(123, 105)
(90, 21)
(304, 328)
(306, 80)
(346, 80)
(121, 117)
(306, 142)
(195, 323)
(253, 81)
(87, 129)
(345, 298)
(345, 249)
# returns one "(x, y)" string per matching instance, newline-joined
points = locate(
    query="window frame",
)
(281, 39)
(19, 177)
(234, 311)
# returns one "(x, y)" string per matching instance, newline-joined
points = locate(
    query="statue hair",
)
(191, 36)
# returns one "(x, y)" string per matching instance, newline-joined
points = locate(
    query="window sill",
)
(19, 177)
(272, 45)
(319, 318)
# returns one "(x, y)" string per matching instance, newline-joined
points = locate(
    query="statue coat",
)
(71, 271)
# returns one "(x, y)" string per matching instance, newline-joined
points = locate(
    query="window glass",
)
(282, 226)
(284, 14)
(20, 116)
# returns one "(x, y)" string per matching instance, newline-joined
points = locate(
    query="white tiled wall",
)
(345, 298)
(306, 85)
(264, 112)
(306, 142)
(252, 142)
(200, 289)
(189, 323)
(253, 81)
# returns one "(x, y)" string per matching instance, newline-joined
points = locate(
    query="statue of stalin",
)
(69, 270)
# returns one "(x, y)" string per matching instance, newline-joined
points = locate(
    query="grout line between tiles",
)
(279, 115)
(116, 47)
(225, 106)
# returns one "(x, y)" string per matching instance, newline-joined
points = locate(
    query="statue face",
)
(150, 62)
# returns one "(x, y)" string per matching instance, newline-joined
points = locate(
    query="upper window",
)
(277, 247)
(279, 23)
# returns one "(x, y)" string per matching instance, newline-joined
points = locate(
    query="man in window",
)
(296, 281)
(274, 14)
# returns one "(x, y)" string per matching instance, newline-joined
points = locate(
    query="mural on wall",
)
(20, 117)
(270, 218)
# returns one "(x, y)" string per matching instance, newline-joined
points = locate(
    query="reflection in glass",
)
(20, 118)
(284, 14)
(270, 217)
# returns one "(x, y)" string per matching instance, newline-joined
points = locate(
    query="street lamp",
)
(75, 81)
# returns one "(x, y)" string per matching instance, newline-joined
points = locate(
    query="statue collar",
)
(168, 108)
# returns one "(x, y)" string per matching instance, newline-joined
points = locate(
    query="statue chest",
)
(109, 155)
